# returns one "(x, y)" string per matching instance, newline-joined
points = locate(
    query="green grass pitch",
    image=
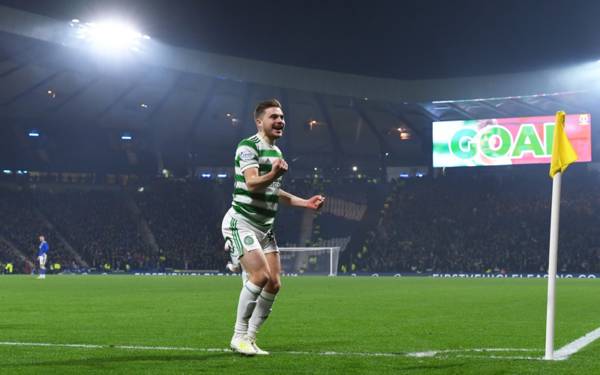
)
(312, 318)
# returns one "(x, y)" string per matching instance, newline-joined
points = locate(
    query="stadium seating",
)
(458, 222)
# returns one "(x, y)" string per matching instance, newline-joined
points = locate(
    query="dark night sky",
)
(400, 39)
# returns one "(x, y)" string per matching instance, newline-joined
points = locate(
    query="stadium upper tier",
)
(162, 56)
(177, 108)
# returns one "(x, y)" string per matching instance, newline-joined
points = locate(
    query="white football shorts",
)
(240, 235)
(42, 260)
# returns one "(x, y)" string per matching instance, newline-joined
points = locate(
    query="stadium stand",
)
(458, 222)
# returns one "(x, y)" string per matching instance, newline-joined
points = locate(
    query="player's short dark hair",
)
(262, 107)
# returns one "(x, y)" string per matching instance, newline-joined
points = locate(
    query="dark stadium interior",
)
(132, 165)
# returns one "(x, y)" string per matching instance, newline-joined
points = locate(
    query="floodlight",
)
(111, 35)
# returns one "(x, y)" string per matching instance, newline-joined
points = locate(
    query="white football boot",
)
(258, 350)
(242, 345)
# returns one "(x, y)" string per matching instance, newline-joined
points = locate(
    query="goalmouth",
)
(310, 260)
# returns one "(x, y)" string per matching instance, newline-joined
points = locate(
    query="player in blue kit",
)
(42, 256)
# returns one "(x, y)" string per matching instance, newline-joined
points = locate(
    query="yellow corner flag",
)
(563, 153)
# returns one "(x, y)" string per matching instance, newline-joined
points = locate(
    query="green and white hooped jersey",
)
(258, 207)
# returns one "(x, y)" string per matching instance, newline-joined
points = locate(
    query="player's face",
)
(272, 122)
(41, 238)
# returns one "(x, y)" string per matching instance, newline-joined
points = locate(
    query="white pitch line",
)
(86, 346)
(540, 358)
(444, 353)
(449, 353)
(571, 348)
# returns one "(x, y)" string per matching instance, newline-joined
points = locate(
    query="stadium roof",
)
(177, 101)
(409, 39)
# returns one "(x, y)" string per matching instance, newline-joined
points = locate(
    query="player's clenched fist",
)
(279, 167)
(315, 202)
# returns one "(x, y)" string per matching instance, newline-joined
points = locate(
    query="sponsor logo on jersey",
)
(247, 155)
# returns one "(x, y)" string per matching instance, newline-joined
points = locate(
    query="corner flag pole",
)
(552, 263)
(563, 154)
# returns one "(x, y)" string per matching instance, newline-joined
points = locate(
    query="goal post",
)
(310, 260)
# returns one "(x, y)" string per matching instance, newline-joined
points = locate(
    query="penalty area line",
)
(439, 354)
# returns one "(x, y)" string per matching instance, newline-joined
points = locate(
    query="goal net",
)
(310, 260)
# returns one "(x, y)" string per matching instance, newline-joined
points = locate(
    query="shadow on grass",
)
(104, 361)
(304, 347)
(428, 367)
(110, 363)
(15, 326)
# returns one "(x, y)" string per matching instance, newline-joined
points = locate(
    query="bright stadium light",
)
(109, 35)
(126, 137)
(312, 124)
(33, 133)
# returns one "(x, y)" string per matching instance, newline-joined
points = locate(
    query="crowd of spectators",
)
(21, 226)
(346, 204)
(185, 219)
(97, 224)
(476, 222)
(464, 221)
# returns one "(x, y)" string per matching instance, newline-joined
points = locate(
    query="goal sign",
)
(506, 141)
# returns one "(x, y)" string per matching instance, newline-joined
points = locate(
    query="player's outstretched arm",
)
(255, 182)
(314, 203)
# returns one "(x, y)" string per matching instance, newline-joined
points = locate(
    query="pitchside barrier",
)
(408, 274)
(358, 274)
